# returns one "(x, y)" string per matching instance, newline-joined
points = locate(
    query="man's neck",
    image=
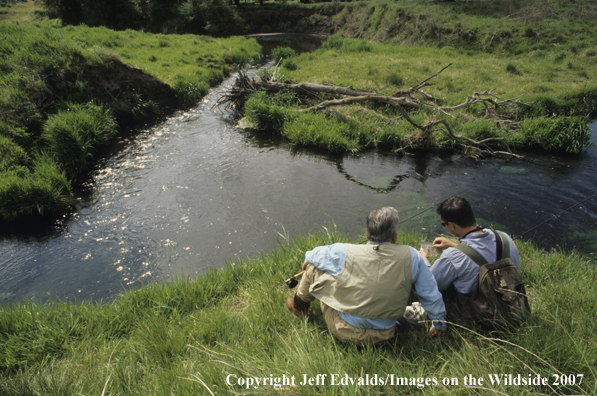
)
(464, 231)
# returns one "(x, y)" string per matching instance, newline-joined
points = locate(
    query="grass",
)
(385, 68)
(492, 26)
(190, 335)
(55, 98)
(19, 11)
(169, 57)
(75, 133)
(38, 189)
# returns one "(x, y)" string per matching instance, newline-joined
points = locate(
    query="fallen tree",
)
(405, 102)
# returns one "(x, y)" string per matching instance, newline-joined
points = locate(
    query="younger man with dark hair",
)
(456, 274)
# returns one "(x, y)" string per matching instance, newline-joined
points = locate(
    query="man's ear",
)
(394, 237)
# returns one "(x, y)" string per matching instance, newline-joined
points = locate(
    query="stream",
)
(195, 192)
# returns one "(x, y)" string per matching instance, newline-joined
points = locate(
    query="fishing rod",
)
(433, 206)
(292, 282)
(554, 216)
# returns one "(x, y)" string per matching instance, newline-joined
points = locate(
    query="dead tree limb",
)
(401, 100)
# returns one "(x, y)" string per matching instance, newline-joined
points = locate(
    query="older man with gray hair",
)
(364, 289)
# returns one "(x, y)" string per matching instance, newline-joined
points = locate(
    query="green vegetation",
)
(186, 336)
(65, 91)
(190, 64)
(552, 116)
(514, 27)
(18, 10)
(282, 52)
(72, 135)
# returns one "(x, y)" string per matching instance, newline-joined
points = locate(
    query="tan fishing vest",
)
(375, 282)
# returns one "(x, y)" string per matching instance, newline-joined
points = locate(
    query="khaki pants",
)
(338, 326)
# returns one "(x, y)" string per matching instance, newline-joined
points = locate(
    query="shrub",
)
(289, 64)
(75, 134)
(215, 17)
(282, 53)
(110, 13)
(222, 19)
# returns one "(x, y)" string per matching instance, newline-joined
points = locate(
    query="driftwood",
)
(413, 98)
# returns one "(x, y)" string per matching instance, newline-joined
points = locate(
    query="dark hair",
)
(381, 224)
(457, 210)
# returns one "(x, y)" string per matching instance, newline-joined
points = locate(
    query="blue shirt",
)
(331, 260)
(455, 267)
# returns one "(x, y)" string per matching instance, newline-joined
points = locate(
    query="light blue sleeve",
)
(443, 271)
(328, 258)
(426, 288)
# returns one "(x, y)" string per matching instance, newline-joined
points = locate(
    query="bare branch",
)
(493, 104)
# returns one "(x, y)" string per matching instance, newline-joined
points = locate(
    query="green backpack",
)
(501, 299)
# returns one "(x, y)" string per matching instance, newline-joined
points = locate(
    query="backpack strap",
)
(499, 248)
(502, 249)
(472, 254)
(506, 244)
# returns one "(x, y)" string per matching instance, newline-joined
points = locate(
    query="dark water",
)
(195, 192)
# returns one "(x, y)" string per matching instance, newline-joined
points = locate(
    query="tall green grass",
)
(73, 135)
(44, 189)
(185, 337)
(270, 112)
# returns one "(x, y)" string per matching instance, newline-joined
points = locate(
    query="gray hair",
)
(381, 224)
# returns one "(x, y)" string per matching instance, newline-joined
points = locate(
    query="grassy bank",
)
(556, 92)
(542, 50)
(510, 26)
(65, 92)
(186, 337)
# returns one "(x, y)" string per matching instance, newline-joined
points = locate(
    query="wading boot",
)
(297, 306)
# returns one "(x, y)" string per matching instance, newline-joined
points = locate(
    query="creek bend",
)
(196, 192)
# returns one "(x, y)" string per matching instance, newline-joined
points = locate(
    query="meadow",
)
(186, 337)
